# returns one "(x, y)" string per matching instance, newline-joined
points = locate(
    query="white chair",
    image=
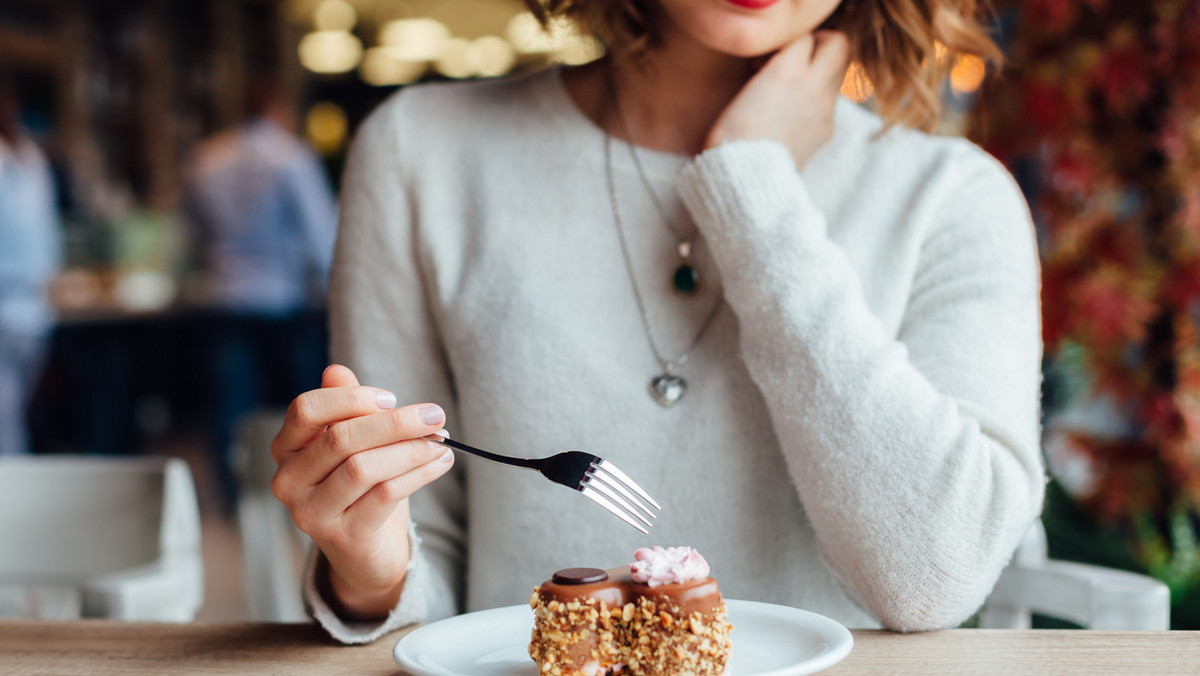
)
(272, 547)
(1090, 596)
(114, 538)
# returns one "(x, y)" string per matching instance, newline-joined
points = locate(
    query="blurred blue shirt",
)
(30, 241)
(265, 219)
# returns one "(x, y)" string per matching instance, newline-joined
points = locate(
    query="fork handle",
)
(518, 462)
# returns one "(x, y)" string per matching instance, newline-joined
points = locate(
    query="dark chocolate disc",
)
(580, 576)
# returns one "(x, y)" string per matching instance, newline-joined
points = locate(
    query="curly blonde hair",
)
(905, 48)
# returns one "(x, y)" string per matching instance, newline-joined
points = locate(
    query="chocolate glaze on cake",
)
(694, 596)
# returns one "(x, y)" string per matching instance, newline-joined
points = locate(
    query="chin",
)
(728, 28)
(747, 42)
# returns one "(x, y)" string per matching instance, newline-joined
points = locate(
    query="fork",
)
(598, 479)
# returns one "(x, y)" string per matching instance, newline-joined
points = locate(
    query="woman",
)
(850, 358)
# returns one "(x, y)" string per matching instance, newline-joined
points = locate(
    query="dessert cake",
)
(660, 615)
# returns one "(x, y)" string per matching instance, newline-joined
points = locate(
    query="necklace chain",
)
(668, 365)
(637, 163)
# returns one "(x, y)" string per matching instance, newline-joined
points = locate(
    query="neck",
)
(670, 101)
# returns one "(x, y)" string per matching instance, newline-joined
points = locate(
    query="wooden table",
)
(101, 648)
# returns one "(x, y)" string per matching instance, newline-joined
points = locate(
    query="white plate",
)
(768, 640)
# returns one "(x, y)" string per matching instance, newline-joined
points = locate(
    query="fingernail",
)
(432, 415)
(443, 434)
(386, 400)
(447, 456)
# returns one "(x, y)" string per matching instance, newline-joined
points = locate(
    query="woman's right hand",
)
(791, 99)
(348, 461)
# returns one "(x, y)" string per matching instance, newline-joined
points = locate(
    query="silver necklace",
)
(667, 388)
(686, 277)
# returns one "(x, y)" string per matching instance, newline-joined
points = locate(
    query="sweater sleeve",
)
(383, 325)
(916, 456)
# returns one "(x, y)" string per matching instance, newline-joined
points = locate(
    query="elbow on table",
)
(946, 611)
(950, 578)
(933, 597)
(928, 591)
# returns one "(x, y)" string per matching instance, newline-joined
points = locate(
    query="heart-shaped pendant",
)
(667, 389)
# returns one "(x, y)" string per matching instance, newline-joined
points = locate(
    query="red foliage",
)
(1105, 96)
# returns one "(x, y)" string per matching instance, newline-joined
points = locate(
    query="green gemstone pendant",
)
(686, 279)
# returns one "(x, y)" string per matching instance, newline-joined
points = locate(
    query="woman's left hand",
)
(791, 98)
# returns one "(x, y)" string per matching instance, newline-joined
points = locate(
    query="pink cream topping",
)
(667, 565)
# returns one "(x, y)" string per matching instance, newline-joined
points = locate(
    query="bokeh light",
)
(380, 68)
(967, 74)
(578, 49)
(457, 59)
(334, 15)
(492, 56)
(326, 127)
(421, 39)
(330, 51)
(528, 37)
(857, 86)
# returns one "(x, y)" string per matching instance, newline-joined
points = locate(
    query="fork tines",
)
(605, 485)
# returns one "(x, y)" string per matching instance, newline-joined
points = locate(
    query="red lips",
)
(753, 4)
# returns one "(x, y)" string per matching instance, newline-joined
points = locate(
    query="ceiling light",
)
(421, 39)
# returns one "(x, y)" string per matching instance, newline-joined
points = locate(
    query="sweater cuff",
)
(410, 609)
(737, 186)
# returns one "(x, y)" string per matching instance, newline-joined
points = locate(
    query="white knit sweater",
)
(860, 434)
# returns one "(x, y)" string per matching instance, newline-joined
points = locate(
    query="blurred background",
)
(168, 175)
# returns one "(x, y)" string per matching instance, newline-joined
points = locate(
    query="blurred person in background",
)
(29, 259)
(263, 218)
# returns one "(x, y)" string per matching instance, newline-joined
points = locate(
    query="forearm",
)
(917, 496)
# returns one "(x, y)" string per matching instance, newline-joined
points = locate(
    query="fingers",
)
(822, 57)
(346, 438)
(825, 53)
(378, 479)
(824, 39)
(337, 375)
(790, 62)
(816, 64)
(373, 509)
(313, 411)
(801, 48)
(831, 55)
